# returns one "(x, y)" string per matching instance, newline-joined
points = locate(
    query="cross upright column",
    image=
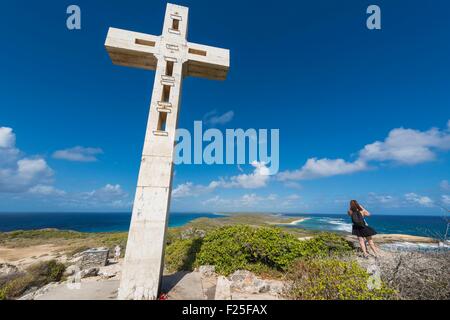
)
(143, 265)
(173, 58)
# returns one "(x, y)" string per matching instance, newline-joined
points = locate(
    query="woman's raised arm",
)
(364, 211)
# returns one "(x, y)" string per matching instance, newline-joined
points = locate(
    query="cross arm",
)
(132, 49)
(207, 62)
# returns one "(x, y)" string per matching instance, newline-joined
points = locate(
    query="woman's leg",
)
(373, 246)
(362, 243)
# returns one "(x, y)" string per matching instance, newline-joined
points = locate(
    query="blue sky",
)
(362, 114)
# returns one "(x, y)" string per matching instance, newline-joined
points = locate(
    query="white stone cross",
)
(173, 58)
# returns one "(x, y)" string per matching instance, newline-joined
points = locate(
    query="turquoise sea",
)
(84, 222)
(429, 226)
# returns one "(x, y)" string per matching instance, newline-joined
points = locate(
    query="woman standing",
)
(360, 227)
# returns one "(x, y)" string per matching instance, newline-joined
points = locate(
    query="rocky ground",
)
(101, 283)
(415, 275)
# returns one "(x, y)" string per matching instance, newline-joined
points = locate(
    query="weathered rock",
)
(32, 294)
(223, 289)
(242, 280)
(76, 259)
(415, 275)
(245, 281)
(192, 233)
(207, 271)
(91, 272)
(7, 269)
(94, 258)
(241, 275)
(277, 287)
(71, 270)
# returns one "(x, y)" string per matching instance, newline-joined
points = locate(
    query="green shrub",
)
(332, 279)
(325, 244)
(227, 248)
(181, 254)
(16, 287)
(243, 247)
(260, 249)
(36, 275)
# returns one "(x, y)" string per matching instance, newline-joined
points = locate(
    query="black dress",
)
(360, 227)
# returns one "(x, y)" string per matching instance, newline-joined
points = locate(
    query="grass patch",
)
(71, 242)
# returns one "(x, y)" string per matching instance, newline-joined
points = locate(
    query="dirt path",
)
(23, 257)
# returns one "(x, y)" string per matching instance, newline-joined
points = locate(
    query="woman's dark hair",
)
(354, 206)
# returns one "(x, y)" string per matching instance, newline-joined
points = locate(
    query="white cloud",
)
(18, 174)
(189, 189)
(292, 185)
(31, 176)
(213, 201)
(293, 197)
(9, 154)
(272, 197)
(407, 146)
(445, 199)
(7, 138)
(182, 190)
(319, 168)
(106, 193)
(444, 185)
(290, 201)
(384, 200)
(258, 179)
(213, 119)
(24, 174)
(46, 190)
(251, 202)
(111, 195)
(78, 154)
(418, 199)
(108, 196)
(402, 146)
(248, 201)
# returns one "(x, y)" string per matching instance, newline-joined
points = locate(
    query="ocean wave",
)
(337, 224)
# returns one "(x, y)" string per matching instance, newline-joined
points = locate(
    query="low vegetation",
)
(333, 279)
(182, 254)
(70, 242)
(36, 275)
(319, 268)
(258, 249)
(243, 247)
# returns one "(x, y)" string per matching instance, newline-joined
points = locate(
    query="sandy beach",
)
(294, 222)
